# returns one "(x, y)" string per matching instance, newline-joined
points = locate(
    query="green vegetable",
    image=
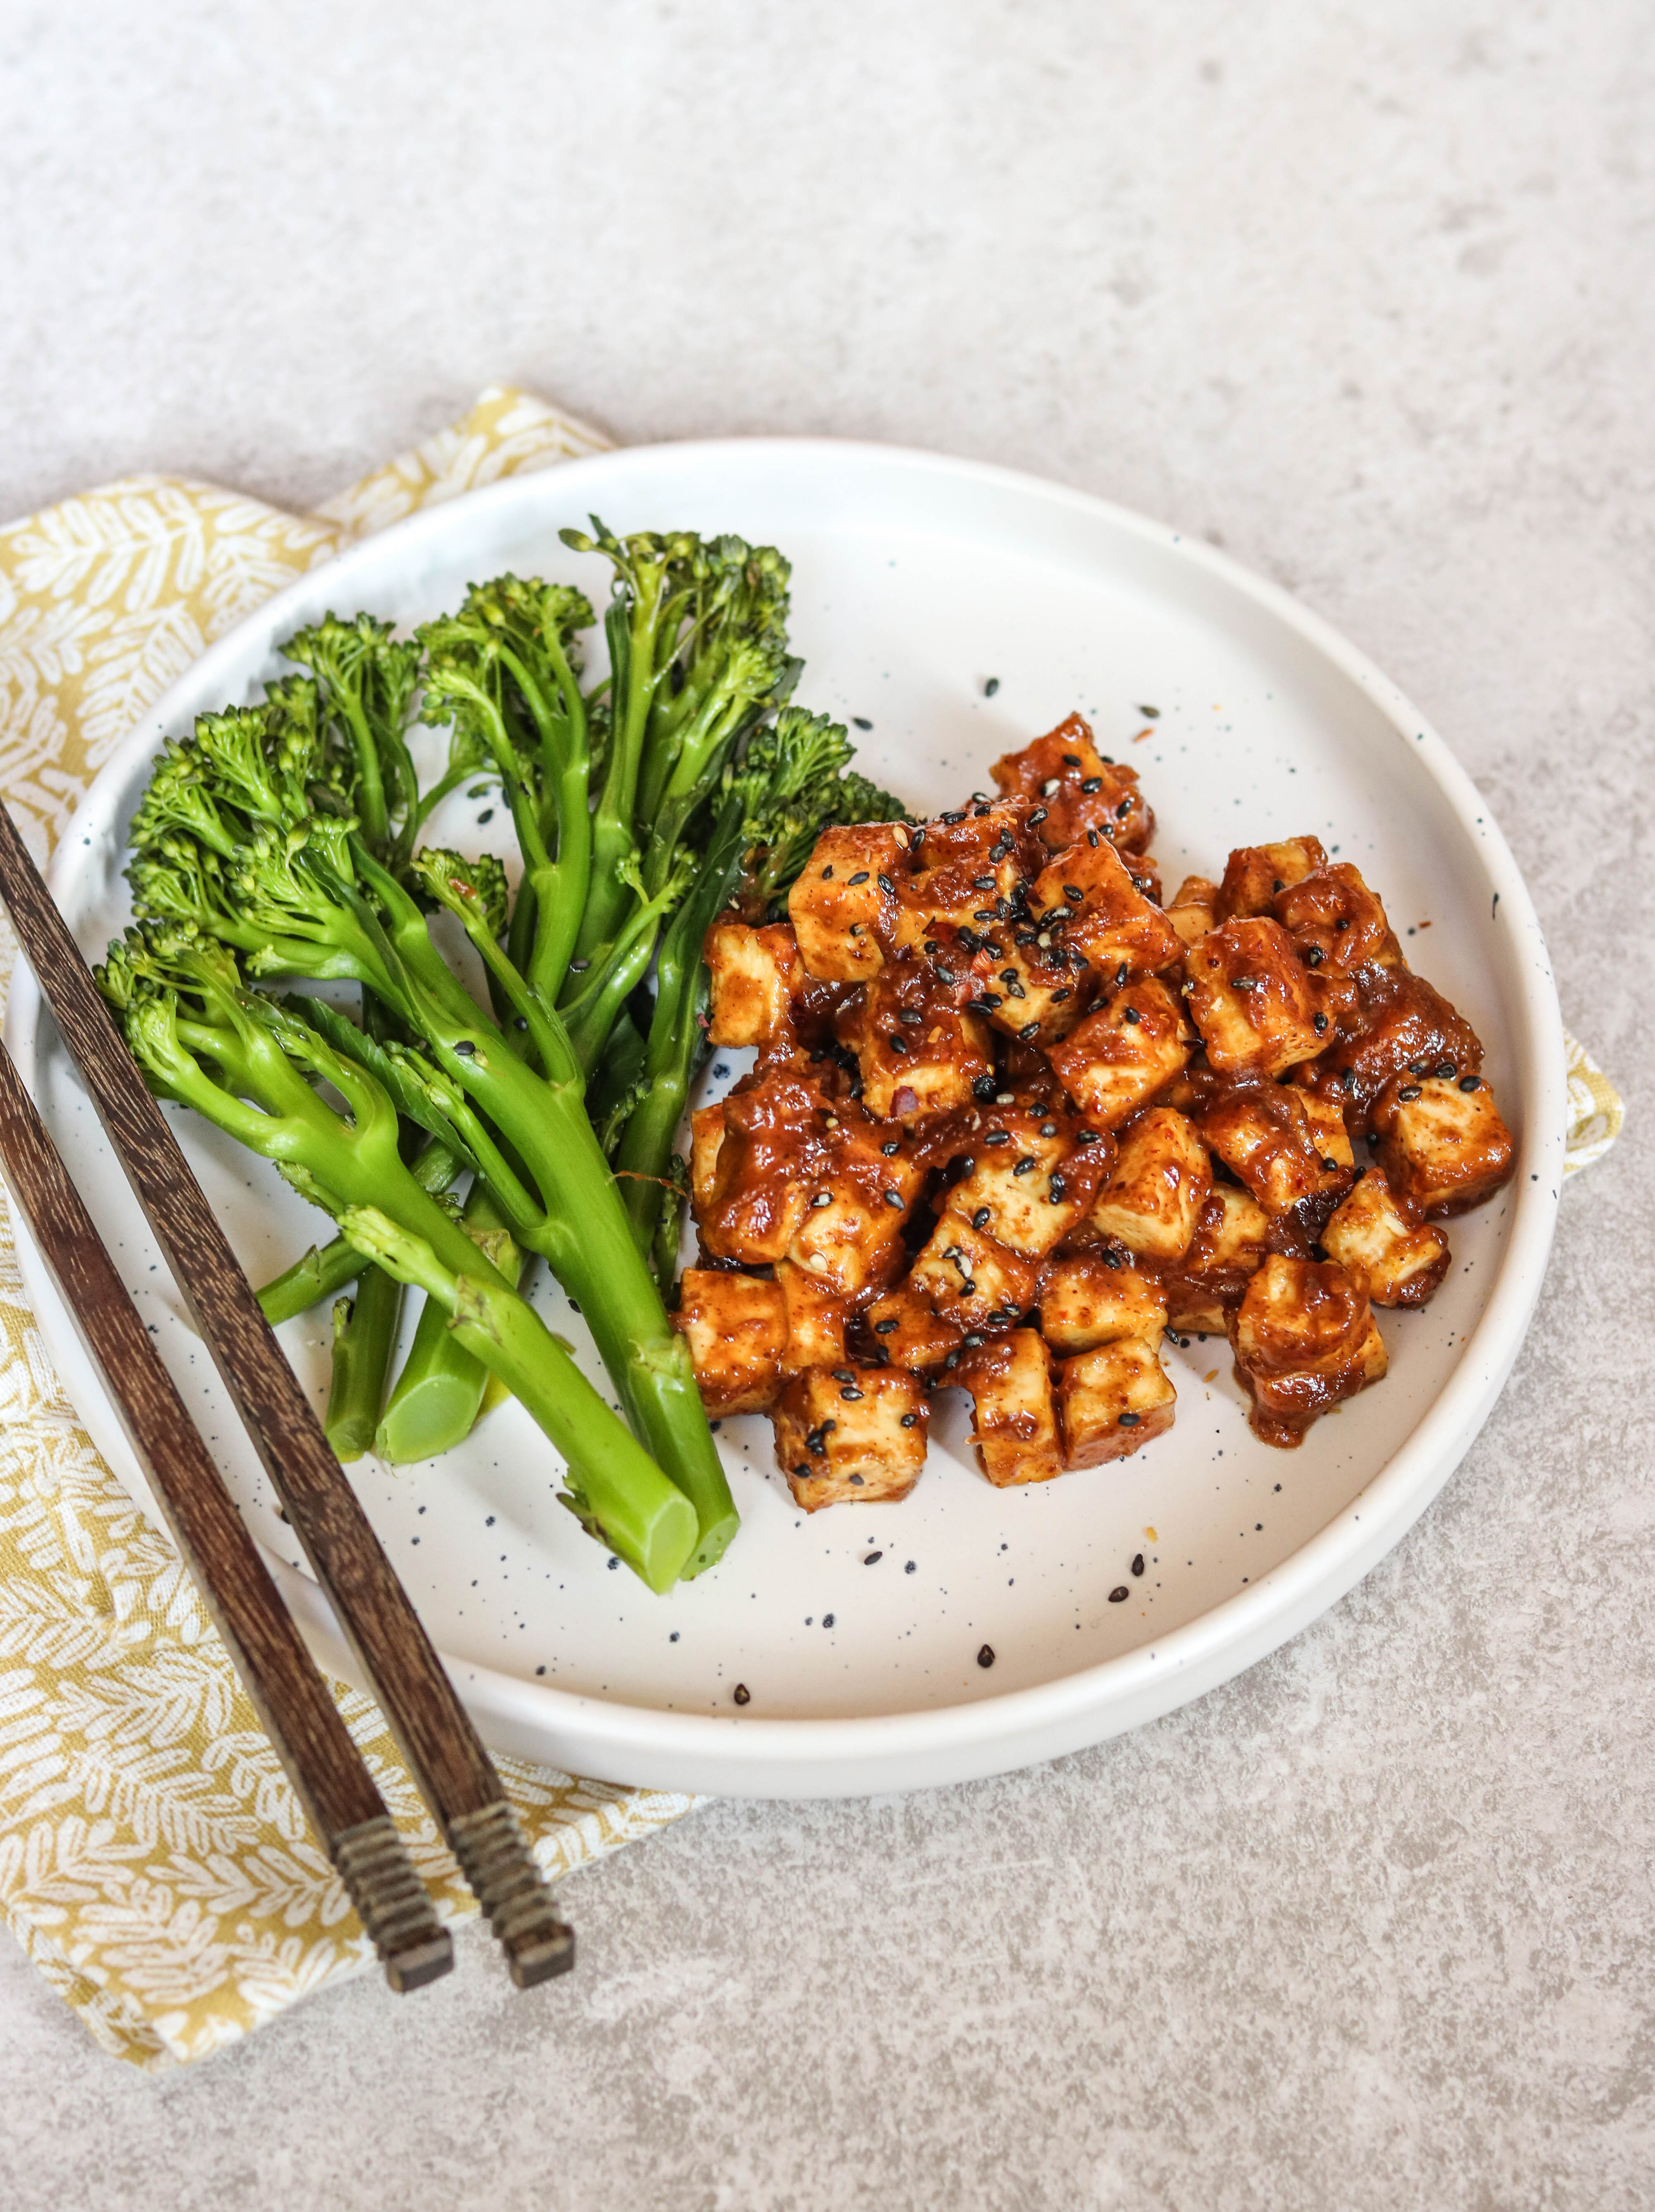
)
(250, 1067)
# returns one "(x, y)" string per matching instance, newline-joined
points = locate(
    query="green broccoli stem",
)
(586, 1237)
(437, 1399)
(364, 1332)
(584, 1234)
(325, 1270)
(677, 1033)
(615, 1490)
(631, 632)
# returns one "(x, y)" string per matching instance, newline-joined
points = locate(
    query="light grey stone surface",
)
(1365, 295)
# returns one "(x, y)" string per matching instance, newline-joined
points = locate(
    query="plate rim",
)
(859, 1755)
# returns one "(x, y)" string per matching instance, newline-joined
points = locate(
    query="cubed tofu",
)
(1089, 891)
(1337, 923)
(1014, 1427)
(1404, 1028)
(1251, 998)
(1126, 1050)
(1304, 1339)
(816, 1321)
(917, 1053)
(1442, 1144)
(1030, 988)
(1227, 1249)
(1113, 1401)
(969, 866)
(969, 1279)
(1030, 1183)
(736, 1327)
(754, 973)
(851, 1434)
(1254, 874)
(769, 1160)
(843, 907)
(849, 1235)
(1089, 1299)
(1398, 1259)
(706, 1138)
(1194, 909)
(1070, 788)
(1285, 1144)
(1152, 1199)
(909, 1332)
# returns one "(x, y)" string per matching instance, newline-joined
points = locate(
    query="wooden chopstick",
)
(272, 1657)
(455, 1773)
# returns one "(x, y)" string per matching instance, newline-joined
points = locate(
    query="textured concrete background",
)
(1364, 295)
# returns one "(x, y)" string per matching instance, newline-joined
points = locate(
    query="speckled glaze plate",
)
(858, 1632)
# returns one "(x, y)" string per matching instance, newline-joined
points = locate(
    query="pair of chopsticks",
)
(455, 1773)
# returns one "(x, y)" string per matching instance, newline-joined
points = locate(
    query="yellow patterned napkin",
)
(153, 1862)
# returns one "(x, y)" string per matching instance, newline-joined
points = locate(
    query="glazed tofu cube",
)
(1442, 1144)
(1153, 1200)
(918, 1054)
(1089, 1299)
(1382, 1245)
(1336, 921)
(754, 973)
(1028, 1187)
(768, 1160)
(849, 1231)
(1031, 989)
(969, 1279)
(1251, 998)
(1014, 1427)
(968, 867)
(816, 1321)
(1131, 1047)
(1304, 1339)
(1194, 909)
(1068, 787)
(706, 1138)
(736, 1327)
(843, 907)
(1089, 891)
(1114, 1400)
(1284, 1146)
(1227, 1249)
(851, 1433)
(909, 1333)
(1406, 1030)
(1254, 874)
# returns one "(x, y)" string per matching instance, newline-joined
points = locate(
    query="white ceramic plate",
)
(916, 579)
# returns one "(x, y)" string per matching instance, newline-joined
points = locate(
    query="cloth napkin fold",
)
(153, 1862)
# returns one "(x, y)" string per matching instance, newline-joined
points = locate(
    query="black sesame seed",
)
(742, 1694)
(884, 1327)
(912, 1567)
(1313, 956)
(871, 1558)
(968, 1288)
(886, 883)
(1056, 1189)
(894, 1198)
(998, 1137)
(908, 1419)
(911, 1015)
(1091, 783)
(1131, 1015)
(1137, 1563)
(855, 1481)
(982, 1216)
(1408, 1092)
(1331, 1164)
(1471, 1083)
(827, 1620)
(985, 1658)
(1073, 894)
(1130, 1420)
(1092, 838)
(1037, 816)
(1026, 1165)
(466, 1048)
(1123, 810)
(1029, 1032)
(988, 691)
(1319, 1024)
(860, 877)
(1057, 997)
(827, 872)
(951, 819)
(1446, 1070)
(1119, 1595)
(973, 1340)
